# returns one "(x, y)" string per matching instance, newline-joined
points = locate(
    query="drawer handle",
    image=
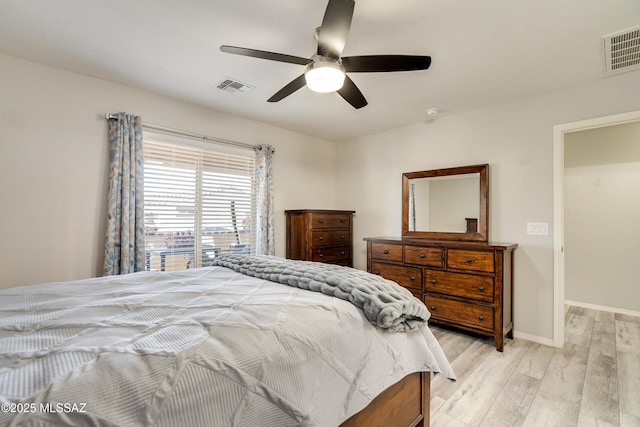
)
(376, 272)
(433, 307)
(469, 260)
(434, 281)
(481, 288)
(321, 221)
(422, 255)
(343, 237)
(321, 255)
(341, 252)
(321, 238)
(412, 277)
(481, 318)
(386, 252)
(343, 220)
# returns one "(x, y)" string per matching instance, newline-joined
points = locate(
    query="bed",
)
(209, 346)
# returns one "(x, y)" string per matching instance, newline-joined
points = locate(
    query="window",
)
(198, 203)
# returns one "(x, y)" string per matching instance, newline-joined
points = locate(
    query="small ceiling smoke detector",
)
(432, 112)
(622, 51)
(234, 86)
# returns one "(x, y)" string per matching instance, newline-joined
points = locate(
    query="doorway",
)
(559, 132)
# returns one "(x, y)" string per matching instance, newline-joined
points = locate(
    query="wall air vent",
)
(622, 51)
(234, 86)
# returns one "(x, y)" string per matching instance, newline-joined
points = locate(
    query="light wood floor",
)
(594, 380)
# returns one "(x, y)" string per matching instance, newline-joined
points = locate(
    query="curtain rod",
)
(178, 132)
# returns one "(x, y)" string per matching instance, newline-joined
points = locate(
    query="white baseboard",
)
(533, 338)
(603, 308)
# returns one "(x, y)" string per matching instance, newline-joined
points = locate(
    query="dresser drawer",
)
(331, 254)
(330, 237)
(424, 255)
(462, 285)
(469, 259)
(330, 220)
(458, 312)
(409, 277)
(386, 252)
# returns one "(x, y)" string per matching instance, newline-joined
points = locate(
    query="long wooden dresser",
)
(320, 235)
(468, 285)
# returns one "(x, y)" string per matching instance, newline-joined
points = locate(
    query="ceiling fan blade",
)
(335, 28)
(263, 54)
(352, 94)
(293, 86)
(385, 63)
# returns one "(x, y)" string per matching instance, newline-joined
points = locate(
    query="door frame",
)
(559, 132)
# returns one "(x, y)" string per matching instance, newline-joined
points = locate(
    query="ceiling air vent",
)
(622, 51)
(234, 86)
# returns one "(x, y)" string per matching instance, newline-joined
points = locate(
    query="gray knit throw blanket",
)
(385, 303)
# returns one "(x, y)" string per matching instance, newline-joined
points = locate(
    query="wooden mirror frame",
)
(482, 233)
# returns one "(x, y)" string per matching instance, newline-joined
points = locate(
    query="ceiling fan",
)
(325, 70)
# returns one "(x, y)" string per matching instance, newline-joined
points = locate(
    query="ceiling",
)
(483, 52)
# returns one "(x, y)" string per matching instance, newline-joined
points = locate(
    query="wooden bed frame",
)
(406, 403)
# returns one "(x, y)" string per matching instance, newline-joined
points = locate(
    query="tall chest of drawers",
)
(466, 285)
(320, 235)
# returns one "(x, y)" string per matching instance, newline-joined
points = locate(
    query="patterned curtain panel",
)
(264, 201)
(124, 251)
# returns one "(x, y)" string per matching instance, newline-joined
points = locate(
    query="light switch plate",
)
(538, 228)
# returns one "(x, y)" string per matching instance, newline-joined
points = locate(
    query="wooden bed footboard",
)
(406, 403)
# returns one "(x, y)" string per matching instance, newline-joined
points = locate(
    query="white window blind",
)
(198, 203)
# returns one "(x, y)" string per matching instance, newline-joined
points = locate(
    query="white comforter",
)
(208, 347)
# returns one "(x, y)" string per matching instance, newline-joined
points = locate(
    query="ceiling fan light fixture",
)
(324, 76)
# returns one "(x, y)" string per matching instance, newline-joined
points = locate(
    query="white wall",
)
(516, 139)
(54, 156)
(602, 216)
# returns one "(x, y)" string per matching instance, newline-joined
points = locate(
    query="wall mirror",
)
(449, 204)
